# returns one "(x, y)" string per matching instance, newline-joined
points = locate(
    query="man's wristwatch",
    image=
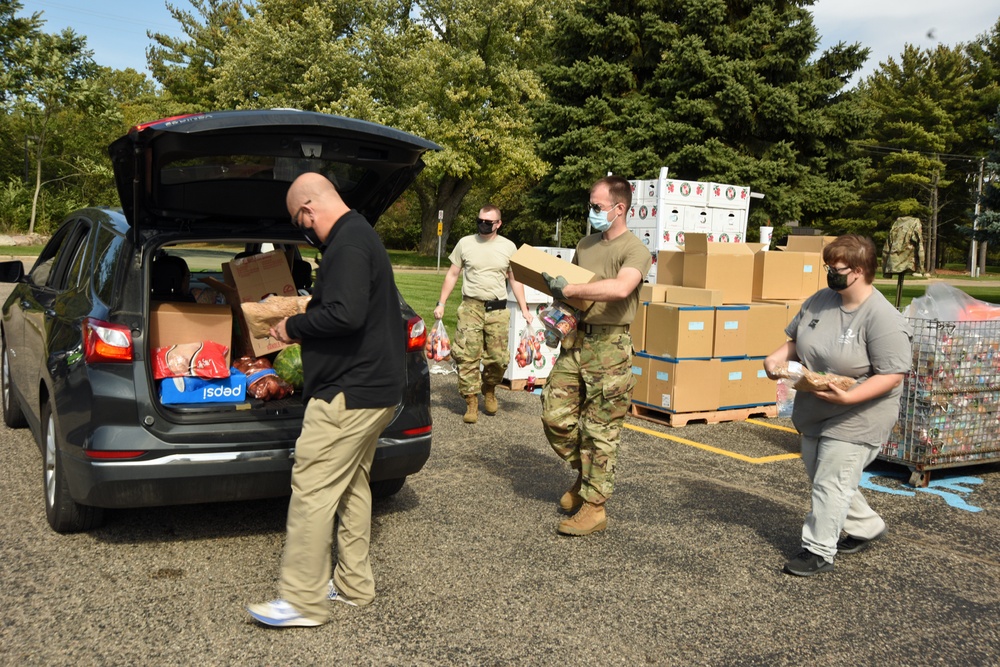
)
(439, 303)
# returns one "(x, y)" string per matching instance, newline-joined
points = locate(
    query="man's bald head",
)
(314, 202)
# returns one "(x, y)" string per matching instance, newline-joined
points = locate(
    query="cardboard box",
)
(651, 293)
(803, 243)
(529, 263)
(683, 385)
(783, 275)
(766, 324)
(729, 225)
(730, 338)
(670, 267)
(175, 323)
(725, 266)
(638, 327)
(679, 332)
(744, 383)
(690, 193)
(721, 195)
(232, 389)
(252, 279)
(640, 370)
(693, 296)
(696, 221)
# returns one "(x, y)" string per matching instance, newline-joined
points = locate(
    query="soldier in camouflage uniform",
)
(481, 333)
(587, 394)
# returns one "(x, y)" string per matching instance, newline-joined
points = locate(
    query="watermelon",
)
(288, 365)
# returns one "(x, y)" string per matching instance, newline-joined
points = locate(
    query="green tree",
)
(56, 74)
(186, 68)
(719, 90)
(459, 73)
(984, 52)
(988, 220)
(925, 109)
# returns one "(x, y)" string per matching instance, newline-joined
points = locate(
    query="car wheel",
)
(13, 416)
(387, 487)
(63, 513)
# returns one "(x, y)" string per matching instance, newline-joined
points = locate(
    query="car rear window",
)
(256, 167)
(107, 254)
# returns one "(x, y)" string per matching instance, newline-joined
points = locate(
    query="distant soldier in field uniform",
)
(482, 331)
(587, 394)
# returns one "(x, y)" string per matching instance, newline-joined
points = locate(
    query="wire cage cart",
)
(949, 414)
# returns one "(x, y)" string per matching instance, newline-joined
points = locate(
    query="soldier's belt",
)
(490, 306)
(602, 329)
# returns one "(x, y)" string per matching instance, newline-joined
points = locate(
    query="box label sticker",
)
(807, 268)
(665, 400)
(761, 374)
(636, 370)
(696, 326)
(663, 376)
(735, 376)
(731, 325)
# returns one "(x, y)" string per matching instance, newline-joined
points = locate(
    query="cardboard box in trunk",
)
(176, 323)
(529, 263)
(252, 279)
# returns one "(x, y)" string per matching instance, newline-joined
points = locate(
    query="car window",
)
(77, 269)
(107, 252)
(41, 273)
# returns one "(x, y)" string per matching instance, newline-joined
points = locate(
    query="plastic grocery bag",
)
(438, 350)
(949, 304)
(528, 348)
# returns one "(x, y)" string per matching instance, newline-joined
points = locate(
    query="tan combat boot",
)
(571, 500)
(590, 519)
(490, 405)
(471, 409)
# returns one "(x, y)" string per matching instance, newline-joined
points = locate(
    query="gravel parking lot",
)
(470, 570)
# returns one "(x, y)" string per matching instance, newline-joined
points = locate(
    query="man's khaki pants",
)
(333, 460)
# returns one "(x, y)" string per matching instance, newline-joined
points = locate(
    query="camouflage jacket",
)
(904, 249)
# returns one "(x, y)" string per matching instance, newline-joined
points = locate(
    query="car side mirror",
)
(11, 272)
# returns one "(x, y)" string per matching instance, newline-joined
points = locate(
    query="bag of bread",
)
(807, 380)
(262, 315)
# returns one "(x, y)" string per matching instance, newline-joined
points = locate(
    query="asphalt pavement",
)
(470, 571)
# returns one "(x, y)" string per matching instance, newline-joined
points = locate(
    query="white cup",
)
(765, 236)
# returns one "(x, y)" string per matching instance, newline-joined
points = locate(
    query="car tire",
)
(64, 514)
(13, 415)
(387, 487)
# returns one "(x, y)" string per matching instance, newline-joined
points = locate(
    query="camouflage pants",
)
(480, 338)
(584, 402)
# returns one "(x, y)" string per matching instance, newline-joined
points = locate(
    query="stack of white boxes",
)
(537, 302)
(664, 209)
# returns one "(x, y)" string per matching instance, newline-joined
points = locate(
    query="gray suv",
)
(76, 354)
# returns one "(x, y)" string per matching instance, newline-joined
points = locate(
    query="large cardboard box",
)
(783, 275)
(725, 266)
(638, 327)
(529, 263)
(670, 267)
(680, 332)
(251, 279)
(640, 369)
(743, 383)
(693, 296)
(176, 323)
(652, 293)
(721, 195)
(683, 385)
(687, 193)
(765, 328)
(730, 338)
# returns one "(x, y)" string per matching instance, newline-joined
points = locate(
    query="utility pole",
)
(974, 264)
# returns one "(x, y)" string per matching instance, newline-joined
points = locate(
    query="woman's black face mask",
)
(837, 281)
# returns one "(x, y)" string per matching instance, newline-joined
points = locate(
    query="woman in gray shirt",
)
(849, 329)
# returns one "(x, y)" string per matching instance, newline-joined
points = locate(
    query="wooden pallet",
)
(518, 385)
(710, 417)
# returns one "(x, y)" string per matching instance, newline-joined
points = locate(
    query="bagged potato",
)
(262, 315)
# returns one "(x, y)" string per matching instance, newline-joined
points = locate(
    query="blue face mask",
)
(599, 221)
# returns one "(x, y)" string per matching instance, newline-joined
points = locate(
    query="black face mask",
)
(837, 281)
(310, 235)
(485, 226)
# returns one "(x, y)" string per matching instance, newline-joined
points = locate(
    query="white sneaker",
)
(280, 614)
(332, 594)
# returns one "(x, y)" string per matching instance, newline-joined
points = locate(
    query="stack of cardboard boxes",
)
(716, 310)
(665, 210)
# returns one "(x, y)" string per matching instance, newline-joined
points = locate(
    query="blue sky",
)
(116, 29)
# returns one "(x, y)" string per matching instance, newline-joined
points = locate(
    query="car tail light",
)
(416, 335)
(104, 455)
(104, 342)
(417, 431)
